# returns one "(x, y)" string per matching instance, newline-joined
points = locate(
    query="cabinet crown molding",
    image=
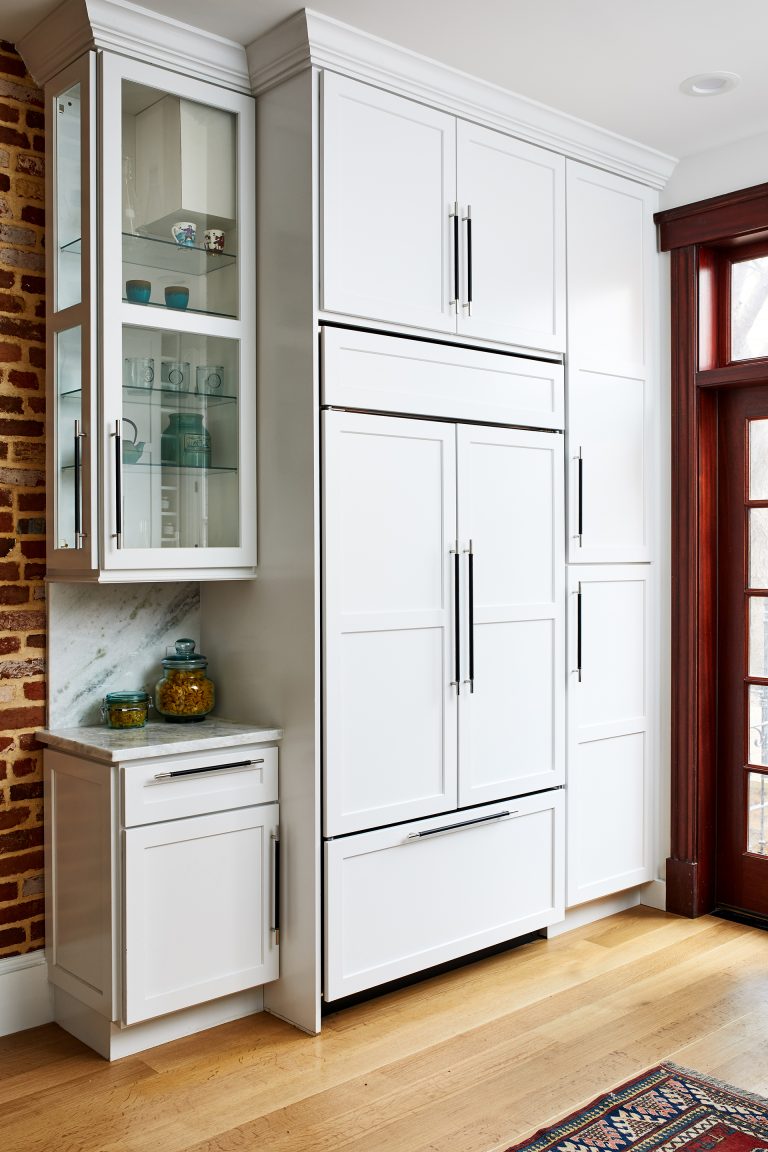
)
(309, 39)
(77, 26)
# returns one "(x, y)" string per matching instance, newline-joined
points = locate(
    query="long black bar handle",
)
(580, 498)
(207, 768)
(118, 533)
(454, 214)
(78, 487)
(456, 619)
(276, 886)
(468, 219)
(462, 824)
(578, 632)
(471, 615)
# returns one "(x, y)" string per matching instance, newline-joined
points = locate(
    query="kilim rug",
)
(667, 1109)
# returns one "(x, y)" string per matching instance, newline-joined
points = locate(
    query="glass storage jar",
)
(125, 709)
(184, 693)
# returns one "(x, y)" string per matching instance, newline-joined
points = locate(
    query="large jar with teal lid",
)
(186, 441)
(184, 693)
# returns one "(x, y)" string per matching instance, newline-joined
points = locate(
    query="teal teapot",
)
(132, 449)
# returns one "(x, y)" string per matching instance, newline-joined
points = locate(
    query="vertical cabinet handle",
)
(117, 535)
(79, 534)
(471, 614)
(468, 221)
(578, 632)
(579, 496)
(276, 886)
(454, 215)
(456, 619)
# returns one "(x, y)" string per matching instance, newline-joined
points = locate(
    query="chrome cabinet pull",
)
(181, 772)
(275, 928)
(468, 221)
(462, 824)
(578, 632)
(117, 535)
(580, 497)
(79, 534)
(454, 215)
(456, 619)
(471, 620)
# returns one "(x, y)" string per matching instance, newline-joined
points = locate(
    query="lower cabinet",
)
(610, 754)
(162, 879)
(404, 898)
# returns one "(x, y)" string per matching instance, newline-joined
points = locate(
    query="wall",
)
(717, 171)
(22, 504)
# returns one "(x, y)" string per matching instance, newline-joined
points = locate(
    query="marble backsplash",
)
(110, 637)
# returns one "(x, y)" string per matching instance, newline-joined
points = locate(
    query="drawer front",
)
(175, 787)
(398, 902)
(392, 374)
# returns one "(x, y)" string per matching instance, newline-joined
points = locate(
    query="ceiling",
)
(616, 63)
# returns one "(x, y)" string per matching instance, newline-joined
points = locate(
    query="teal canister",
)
(186, 441)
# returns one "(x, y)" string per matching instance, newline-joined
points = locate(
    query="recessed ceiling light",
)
(710, 84)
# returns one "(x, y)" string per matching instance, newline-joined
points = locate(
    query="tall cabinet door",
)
(512, 701)
(610, 781)
(389, 528)
(388, 181)
(611, 366)
(512, 205)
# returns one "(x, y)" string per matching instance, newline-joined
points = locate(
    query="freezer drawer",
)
(402, 899)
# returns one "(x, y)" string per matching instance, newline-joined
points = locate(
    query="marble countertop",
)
(156, 738)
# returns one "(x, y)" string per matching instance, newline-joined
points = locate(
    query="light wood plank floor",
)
(470, 1061)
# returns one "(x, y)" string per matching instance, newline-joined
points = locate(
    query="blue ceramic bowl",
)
(138, 291)
(177, 297)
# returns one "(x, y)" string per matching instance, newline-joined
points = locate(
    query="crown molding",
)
(78, 26)
(308, 39)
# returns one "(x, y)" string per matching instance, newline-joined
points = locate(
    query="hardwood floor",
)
(470, 1061)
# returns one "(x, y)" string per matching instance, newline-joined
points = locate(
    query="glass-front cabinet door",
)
(71, 332)
(175, 432)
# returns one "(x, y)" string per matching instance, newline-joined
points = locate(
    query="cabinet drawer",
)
(402, 899)
(171, 788)
(393, 374)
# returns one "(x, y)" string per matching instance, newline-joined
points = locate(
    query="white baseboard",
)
(25, 995)
(654, 895)
(594, 910)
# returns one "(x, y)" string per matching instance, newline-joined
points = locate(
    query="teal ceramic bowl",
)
(176, 296)
(138, 291)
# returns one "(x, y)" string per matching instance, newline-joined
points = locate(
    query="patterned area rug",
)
(667, 1109)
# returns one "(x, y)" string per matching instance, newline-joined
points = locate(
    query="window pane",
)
(758, 724)
(757, 816)
(749, 309)
(758, 547)
(758, 636)
(758, 459)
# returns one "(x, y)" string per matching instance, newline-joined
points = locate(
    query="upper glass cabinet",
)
(153, 466)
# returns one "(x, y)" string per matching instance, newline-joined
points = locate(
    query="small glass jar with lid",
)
(125, 709)
(184, 693)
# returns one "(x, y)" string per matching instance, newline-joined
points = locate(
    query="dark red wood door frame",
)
(691, 234)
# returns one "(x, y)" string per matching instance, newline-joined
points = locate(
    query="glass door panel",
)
(179, 440)
(179, 203)
(69, 438)
(68, 198)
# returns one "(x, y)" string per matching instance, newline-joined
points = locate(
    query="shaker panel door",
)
(388, 181)
(512, 706)
(389, 526)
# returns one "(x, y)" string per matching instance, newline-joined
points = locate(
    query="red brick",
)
(20, 863)
(35, 119)
(12, 817)
(9, 303)
(25, 767)
(20, 839)
(38, 143)
(7, 279)
(11, 936)
(36, 640)
(24, 910)
(9, 571)
(12, 65)
(12, 405)
(10, 644)
(36, 404)
(30, 791)
(36, 356)
(30, 165)
(11, 718)
(37, 933)
(22, 621)
(35, 690)
(13, 594)
(5, 181)
(6, 522)
(34, 572)
(33, 549)
(8, 114)
(9, 891)
(6, 545)
(31, 214)
(12, 136)
(19, 669)
(31, 501)
(5, 743)
(22, 428)
(6, 498)
(9, 353)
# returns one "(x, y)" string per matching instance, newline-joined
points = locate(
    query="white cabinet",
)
(399, 900)
(443, 649)
(611, 384)
(432, 222)
(611, 725)
(163, 881)
(151, 349)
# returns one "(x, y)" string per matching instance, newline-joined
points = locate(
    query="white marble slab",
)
(111, 638)
(156, 738)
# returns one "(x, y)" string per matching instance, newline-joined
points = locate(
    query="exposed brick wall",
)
(22, 503)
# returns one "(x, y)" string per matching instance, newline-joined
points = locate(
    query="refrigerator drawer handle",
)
(461, 824)
(180, 772)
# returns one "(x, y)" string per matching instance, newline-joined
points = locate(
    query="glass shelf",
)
(189, 311)
(185, 401)
(154, 252)
(146, 466)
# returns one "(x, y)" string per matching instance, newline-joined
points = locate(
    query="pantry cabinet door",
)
(512, 702)
(390, 706)
(198, 907)
(388, 181)
(610, 753)
(511, 198)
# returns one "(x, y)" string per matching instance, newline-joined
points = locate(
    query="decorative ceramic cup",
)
(138, 372)
(184, 232)
(213, 240)
(209, 379)
(176, 296)
(174, 375)
(138, 291)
